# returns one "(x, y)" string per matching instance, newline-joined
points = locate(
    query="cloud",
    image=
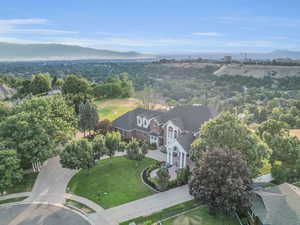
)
(40, 31)
(30, 21)
(14, 26)
(207, 34)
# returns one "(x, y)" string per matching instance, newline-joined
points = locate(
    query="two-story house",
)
(175, 129)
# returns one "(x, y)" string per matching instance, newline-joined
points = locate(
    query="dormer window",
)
(139, 121)
(145, 123)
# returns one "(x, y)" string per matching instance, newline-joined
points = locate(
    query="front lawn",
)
(112, 182)
(25, 185)
(193, 210)
(163, 214)
(201, 216)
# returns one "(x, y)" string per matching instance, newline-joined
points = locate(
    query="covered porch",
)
(176, 155)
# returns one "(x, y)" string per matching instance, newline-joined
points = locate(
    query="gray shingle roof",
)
(187, 117)
(128, 120)
(185, 140)
(279, 205)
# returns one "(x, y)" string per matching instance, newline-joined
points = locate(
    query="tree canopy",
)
(74, 85)
(222, 181)
(41, 83)
(88, 116)
(78, 155)
(227, 131)
(10, 171)
(37, 125)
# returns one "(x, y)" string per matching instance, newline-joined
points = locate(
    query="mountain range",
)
(46, 52)
(42, 52)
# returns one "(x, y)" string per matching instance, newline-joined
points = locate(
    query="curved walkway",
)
(50, 187)
(17, 195)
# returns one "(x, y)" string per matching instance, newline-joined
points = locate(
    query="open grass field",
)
(200, 216)
(113, 108)
(25, 185)
(112, 182)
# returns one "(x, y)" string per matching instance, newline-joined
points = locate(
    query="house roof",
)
(279, 205)
(185, 140)
(128, 120)
(187, 118)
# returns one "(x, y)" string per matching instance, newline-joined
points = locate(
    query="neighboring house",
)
(279, 205)
(174, 129)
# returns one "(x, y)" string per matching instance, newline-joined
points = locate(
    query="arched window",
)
(145, 123)
(170, 132)
(139, 121)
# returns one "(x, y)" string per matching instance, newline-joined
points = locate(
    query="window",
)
(139, 121)
(145, 123)
(175, 134)
(170, 132)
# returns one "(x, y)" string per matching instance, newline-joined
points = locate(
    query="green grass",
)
(112, 112)
(113, 108)
(297, 184)
(10, 200)
(80, 206)
(25, 185)
(163, 214)
(202, 216)
(112, 182)
(199, 213)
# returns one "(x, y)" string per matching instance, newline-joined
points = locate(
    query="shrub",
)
(162, 179)
(182, 176)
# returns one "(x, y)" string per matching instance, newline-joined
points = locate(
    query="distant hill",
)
(253, 55)
(32, 52)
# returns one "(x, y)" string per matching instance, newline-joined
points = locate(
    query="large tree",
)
(74, 85)
(78, 155)
(222, 181)
(10, 171)
(88, 116)
(99, 147)
(41, 83)
(37, 125)
(136, 150)
(113, 143)
(285, 159)
(227, 131)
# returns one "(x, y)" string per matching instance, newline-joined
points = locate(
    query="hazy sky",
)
(155, 26)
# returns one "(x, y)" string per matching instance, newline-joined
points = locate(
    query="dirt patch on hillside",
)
(258, 71)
